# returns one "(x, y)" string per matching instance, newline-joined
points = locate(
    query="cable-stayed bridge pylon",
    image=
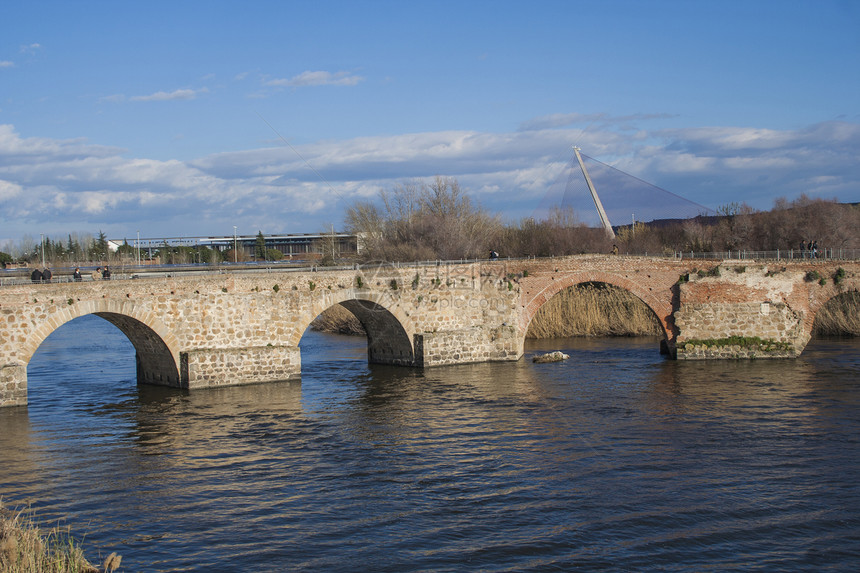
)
(602, 195)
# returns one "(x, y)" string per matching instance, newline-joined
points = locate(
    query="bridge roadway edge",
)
(197, 331)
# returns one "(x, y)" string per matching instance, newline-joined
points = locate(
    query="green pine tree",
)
(260, 247)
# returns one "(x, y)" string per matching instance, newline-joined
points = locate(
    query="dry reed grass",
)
(338, 320)
(590, 309)
(598, 309)
(594, 309)
(25, 548)
(840, 316)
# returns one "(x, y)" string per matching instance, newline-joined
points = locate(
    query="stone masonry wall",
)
(238, 328)
(774, 302)
(207, 368)
(222, 328)
(718, 321)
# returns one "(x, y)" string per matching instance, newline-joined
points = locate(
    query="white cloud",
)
(308, 78)
(558, 120)
(6, 64)
(183, 94)
(72, 185)
(8, 190)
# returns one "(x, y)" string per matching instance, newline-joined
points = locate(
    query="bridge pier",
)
(13, 385)
(210, 367)
(468, 345)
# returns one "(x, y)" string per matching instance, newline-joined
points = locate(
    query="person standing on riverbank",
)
(97, 274)
(76, 276)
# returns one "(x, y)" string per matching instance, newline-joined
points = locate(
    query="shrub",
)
(840, 274)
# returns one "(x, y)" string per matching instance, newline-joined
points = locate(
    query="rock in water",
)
(556, 356)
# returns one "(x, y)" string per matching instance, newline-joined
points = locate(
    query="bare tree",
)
(419, 221)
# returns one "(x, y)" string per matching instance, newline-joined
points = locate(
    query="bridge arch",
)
(156, 348)
(660, 306)
(831, 307)
(390, 333)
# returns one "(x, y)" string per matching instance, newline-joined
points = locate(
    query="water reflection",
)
(616, 459)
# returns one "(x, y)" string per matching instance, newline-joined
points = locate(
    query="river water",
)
(615, 460)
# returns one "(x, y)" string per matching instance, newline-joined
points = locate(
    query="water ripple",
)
(614, 461)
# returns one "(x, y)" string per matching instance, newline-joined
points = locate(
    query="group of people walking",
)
(809, 250)
(45, 276)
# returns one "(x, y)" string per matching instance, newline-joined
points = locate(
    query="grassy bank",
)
(26, 548)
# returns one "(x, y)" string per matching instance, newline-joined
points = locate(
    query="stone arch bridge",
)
(196, 330)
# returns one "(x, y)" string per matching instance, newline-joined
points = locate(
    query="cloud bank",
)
(61, 186)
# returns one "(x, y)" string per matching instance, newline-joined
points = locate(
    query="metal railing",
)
(777, 255)
(132, 272)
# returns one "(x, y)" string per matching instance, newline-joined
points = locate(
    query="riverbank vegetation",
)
(599, 309)
(338, 320)
(839, 317)
(27, 548)
(594, 309)
(589, 309)
(439, 221)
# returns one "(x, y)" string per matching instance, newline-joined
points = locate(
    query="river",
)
(615, 460)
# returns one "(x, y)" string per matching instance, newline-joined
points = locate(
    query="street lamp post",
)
(235, 255)
(42, 242)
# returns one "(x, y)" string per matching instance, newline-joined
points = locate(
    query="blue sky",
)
(167, 117)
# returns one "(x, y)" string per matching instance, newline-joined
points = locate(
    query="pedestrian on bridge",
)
(36, 276)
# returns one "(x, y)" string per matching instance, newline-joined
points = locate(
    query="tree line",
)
(84, 248)
(438, 220)
(420, 221)
(75, 247)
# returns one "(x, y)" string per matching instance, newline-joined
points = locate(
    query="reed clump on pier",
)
(593, 309)
(26, 548)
